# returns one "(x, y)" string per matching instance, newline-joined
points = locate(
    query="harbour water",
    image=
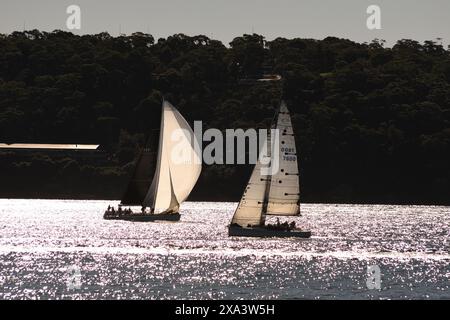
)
(60, 249)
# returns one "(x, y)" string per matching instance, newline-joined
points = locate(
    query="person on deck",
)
(292, 225)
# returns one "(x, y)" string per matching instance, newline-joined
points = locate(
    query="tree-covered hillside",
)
(372, 123)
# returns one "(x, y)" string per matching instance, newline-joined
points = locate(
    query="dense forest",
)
(372, 123)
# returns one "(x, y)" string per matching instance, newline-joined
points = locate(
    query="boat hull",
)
(261, 232)
(144, 217)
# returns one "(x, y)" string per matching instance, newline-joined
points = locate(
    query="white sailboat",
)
(277, 194)
(178, 166)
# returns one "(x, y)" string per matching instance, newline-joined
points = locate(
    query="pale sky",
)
(226, 19)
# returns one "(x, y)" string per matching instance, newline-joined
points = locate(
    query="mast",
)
(269, 178)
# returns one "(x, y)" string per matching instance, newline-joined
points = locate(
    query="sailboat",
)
(176, 170)
(272, 195)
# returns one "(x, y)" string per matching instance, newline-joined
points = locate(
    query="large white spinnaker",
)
(178, 165)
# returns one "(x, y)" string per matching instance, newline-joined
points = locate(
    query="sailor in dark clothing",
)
(292, 225)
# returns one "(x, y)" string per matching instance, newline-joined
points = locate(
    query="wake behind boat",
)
(173, 179)
(276, 195)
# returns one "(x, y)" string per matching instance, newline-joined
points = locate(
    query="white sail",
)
(276, 194)
(284, 192)
(178, 164)
(249, 210)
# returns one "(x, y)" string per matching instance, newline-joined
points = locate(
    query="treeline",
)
(372, 123)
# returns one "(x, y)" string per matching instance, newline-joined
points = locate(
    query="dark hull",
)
(144, 217)
(262, 232)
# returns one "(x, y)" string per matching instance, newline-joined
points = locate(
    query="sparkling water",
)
(59, 249)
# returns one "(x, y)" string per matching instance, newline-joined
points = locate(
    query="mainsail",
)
(178, 164)
(284, 194)
(277, 194)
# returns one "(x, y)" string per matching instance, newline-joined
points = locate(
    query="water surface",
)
(54, 249)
